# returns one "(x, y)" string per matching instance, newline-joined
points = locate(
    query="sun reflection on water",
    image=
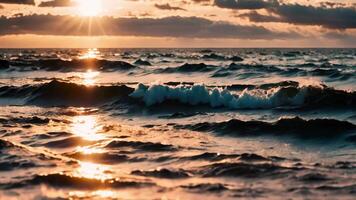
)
(98, 194)
(90, 54)
(89, 77)
(89, 58)
(87, 128)
(105, 193)
(89, 150)
(93, 171)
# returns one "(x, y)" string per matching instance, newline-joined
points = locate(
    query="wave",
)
(61, 180)
(142, 62)
(307, 129)
(201, 67)
(206, 187)
(240, 87)
(292, 53)
(58, 93)
(308, 69)
(287, 94)
(248, 157)
(263, 68)
(334, 72)
(64, 143)
(4, 64)
(214, 56)
(162, 173)
(25, 120)
(68, 65)
(141, 146)
(104, 158)
(246, 170)
(304, 96)
(221, 71)
(61, 93)
(15, 92)
(15, 156)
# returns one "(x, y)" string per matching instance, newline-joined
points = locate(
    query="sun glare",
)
(87, 128)
(89, 8)
(90, 54)
(93, 171)
(89, 77)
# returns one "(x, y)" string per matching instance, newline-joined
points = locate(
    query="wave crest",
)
(308, 129)
(247, 99)
(267, 96)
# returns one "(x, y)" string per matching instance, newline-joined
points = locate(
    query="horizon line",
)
(315, 47)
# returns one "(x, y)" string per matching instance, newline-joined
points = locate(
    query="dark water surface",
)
(177, 123)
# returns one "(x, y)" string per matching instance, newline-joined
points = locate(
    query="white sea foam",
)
(218, 97)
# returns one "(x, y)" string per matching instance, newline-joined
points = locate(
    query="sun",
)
(89, 8)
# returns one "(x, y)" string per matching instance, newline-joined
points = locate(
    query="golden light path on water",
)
(92, 171)
(101, 194)
(90, 53)
(89, 78)
(86, 127)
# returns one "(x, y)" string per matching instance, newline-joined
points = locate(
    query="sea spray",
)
(219, 97)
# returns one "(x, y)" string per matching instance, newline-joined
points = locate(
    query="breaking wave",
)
(316, 96)
(267, 96)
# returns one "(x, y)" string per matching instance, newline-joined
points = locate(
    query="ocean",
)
(177, 124)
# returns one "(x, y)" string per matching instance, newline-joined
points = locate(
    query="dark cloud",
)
(340, 36)
(28, 2)
(188, 27)
(57, 3)
(167, 7)
(340, 17)
(333, 18)
(328, 15)
(245, 4)
(256, 17)
(332, 4)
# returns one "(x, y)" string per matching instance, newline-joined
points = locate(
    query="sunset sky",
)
(177, 23)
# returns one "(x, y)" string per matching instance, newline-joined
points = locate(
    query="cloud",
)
(332, 18)
(256, 17)
(167, 7)
(28, 2)
(203, 2)
(245, 4)
(57, 3)
(328, 15)
(185, 27)
(339, 18)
